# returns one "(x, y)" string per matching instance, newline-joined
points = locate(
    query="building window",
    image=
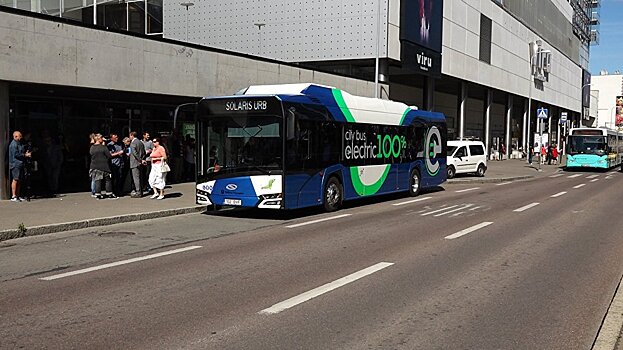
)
(485, 39)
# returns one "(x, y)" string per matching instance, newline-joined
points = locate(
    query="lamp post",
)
(530, 103)
(378, 45)
(187, 5)
(259, 27)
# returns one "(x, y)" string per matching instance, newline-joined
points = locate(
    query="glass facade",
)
(138, 16)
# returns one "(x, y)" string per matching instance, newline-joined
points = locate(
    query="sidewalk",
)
(508, 170)
(80, 210)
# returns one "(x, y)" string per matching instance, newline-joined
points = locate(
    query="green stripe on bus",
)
(366, 190)
(337, 95)
(404, 115)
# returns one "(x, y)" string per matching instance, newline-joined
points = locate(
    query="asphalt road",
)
(486, 266)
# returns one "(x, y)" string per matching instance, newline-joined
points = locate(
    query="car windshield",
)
(587, 145)
(244, 144)
(450, 150)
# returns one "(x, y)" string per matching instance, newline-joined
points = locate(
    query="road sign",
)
(541, 113)
(563, 117)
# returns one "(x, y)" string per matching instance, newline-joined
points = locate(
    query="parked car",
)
(466, 157)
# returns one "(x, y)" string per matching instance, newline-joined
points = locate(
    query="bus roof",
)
(344, 106)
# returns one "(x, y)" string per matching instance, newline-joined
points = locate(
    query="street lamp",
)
(187, 5)
(378, 45)
(259, 27)
(530, 102)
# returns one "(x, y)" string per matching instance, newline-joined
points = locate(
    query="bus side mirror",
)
(290, 125)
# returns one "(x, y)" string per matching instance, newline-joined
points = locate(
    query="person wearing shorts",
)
(17, 157)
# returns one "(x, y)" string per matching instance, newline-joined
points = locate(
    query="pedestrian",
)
(189, 159)
(100, 168)
(17, 158)
(543, 154)
(159, 170)
(149, 147)
(92, 142)
(555, 154)
(137, 162)
(116, 164)
(550, 154)
(503, 153)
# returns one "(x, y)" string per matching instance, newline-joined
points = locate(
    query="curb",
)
(75, 225)
(490, 180)
(610, 330)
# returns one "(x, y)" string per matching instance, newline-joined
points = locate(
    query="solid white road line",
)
(319, 220)
(574, 176)
(558, 194)
(118, 263)
(504, 183)
(468, 189)
(526, 207)
(468, 230)
(557, 175)
(301, 298)
(454, 210)
(592, 176)
(580, 185)
(438, 210)
(412, 201)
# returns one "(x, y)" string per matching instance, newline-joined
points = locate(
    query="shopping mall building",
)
(72, 67)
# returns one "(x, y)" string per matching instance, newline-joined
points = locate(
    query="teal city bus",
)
(594, 148)
(300, 145)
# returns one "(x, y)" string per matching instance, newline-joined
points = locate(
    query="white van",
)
(466, 157)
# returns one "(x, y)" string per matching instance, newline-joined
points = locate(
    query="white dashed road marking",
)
(319, 220)
(413, 201)
(468, 230)
(557, 175)
(301, 298)
(504, 183)
(580, 185)
(118, 263)
(558, 194)
(594, 180)
(467, 190)
(574, 176)
(526, 207)
(454, 210)
(592, 176)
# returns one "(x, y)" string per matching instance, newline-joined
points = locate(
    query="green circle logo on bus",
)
(432, 149)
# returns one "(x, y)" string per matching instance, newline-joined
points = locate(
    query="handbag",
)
(164, 167)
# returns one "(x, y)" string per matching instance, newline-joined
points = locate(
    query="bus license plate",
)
(232, 201)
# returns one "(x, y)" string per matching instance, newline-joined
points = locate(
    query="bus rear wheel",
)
(333, 195)
(414, 183)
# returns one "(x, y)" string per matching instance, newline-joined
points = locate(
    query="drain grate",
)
(116, 234)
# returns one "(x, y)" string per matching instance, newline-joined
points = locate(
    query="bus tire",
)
(415, 183)
(333, 194)
(451, 171)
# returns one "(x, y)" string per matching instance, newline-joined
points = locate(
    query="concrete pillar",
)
(509, 113)
(429, 94)
(549, 125)
(4, 139)
(488, 102)
(524, 138)
(462, 103)
(528, 135)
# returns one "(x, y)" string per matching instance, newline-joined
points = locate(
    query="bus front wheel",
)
(333, 195)
(414, 183)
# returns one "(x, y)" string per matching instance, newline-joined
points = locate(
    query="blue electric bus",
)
(299, 145)
(596, 148)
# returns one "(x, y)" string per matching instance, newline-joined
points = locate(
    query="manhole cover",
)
(116, 234)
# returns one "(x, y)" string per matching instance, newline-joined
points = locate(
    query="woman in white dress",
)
(157, 176)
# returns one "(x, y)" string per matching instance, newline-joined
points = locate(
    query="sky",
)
(608, 54)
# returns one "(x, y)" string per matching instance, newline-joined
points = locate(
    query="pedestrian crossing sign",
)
(541, 113)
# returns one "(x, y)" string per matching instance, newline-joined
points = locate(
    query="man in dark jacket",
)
(17, 157)
(137, 162)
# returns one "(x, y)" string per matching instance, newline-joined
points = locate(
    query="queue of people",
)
(114, 164)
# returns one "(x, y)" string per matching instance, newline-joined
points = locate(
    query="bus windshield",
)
(243, 144)
(587, 145)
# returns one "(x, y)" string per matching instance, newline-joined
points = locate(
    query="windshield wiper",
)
(262, 170)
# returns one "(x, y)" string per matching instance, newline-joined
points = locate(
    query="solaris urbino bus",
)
(597, 148)
(299, 145)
